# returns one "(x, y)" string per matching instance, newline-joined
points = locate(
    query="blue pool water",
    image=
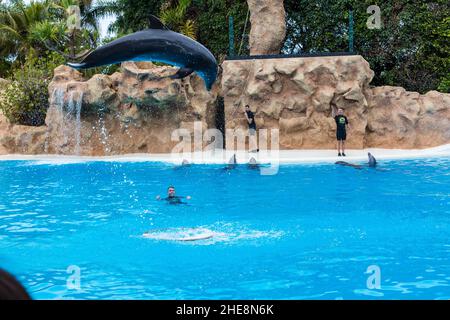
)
(309, 232)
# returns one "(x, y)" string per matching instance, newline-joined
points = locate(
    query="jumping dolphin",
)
(372, 162)
(158, 44)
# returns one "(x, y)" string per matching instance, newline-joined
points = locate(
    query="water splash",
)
(208, 235)
(103, 132)
(180, 234)
(78, 123)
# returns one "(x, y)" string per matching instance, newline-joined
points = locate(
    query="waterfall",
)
(56, 99)
(69, 119)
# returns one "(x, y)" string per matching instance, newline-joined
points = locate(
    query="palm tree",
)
(89, 26)
(16, 21)
(105, 8)
(172, 13)
(41, 25)
(85, 6)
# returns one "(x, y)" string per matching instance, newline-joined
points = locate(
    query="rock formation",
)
(296, 95)
(403, 119)
(136, 110)
(268, 26)
(132, 111)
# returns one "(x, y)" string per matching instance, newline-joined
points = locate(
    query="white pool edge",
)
(222, 156)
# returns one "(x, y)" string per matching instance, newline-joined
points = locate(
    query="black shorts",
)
(341, 135)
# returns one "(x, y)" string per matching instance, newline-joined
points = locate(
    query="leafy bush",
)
(444, 86)
(25, 100)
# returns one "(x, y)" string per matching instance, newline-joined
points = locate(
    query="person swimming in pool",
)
(172, 198)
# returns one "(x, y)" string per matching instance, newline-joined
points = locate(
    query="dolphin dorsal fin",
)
(155, 23)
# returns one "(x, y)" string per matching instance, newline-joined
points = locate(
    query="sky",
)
(103, 25)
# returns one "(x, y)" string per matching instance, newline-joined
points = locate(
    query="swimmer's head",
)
(171, 191)
(340, 111)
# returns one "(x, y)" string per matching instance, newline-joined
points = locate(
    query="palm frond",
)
(189, 29)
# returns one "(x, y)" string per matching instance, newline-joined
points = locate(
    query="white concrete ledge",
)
(221, 156)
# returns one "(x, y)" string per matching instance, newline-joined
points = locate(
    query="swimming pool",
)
(308, 232)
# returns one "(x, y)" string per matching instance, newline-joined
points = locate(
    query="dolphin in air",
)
(157, 44)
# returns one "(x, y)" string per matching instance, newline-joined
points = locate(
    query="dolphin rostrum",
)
(158, 44)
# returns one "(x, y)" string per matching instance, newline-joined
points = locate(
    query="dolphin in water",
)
(252, 163)
(184, 164)
(372, 162)
(347, 164)
(231, 163)
(157, 44)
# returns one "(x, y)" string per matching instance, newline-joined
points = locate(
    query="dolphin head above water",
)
(157, 44)
(372, 160)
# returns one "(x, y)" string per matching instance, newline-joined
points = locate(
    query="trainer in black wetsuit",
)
(251, 129)
(172, 198)
(251, 119)
(341, 131)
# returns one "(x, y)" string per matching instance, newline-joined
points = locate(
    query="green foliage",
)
(444, 85)
(410, 50)
(210, 16)
(25, 100)
(35, 28)
(315, 26)
(16, 21)
(131, 15)
(212, 23)
(175, 18)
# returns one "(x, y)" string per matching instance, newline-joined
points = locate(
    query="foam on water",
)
(180, 234)
(210, 234)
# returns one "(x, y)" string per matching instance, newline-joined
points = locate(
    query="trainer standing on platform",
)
(341, 130)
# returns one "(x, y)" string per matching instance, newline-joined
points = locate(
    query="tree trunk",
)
(268, 26)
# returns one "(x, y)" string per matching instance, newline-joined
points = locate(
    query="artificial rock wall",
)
(137, 109)
(296, 95)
